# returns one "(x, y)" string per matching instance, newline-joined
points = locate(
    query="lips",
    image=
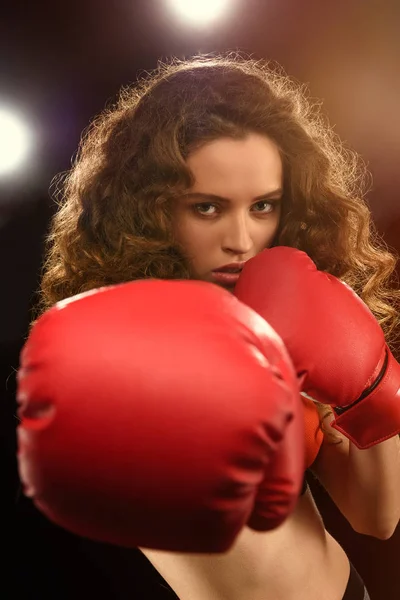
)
(227, 275)
(227, 270)
(230, 268)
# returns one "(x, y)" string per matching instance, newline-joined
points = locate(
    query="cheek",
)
(194, 237)
(265, 234)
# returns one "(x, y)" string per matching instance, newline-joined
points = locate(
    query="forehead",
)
(252, 163)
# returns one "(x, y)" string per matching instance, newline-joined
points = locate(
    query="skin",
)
(232, 211)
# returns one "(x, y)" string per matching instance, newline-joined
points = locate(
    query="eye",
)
(206, 209)
(264, 207)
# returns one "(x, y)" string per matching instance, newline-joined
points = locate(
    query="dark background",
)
(59, 65)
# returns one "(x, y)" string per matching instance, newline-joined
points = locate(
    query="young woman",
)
(195, 170)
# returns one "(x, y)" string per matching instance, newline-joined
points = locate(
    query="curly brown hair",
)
(113, 222)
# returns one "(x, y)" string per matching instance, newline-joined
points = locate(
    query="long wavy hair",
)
(113, 222)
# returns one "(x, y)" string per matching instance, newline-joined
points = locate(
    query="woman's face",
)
(232, 211)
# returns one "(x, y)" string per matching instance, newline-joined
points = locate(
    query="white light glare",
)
(15, 141)
(200, 11)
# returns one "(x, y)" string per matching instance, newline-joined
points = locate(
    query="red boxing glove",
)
(159, 414)
(333, 339)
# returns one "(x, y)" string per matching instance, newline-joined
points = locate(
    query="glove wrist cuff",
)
(375, 417)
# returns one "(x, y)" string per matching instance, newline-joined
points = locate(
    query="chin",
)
(228, 288)
(208, 279)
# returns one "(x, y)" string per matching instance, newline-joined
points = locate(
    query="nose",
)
(236, 237)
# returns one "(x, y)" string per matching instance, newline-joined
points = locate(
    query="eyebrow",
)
(214, 197)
